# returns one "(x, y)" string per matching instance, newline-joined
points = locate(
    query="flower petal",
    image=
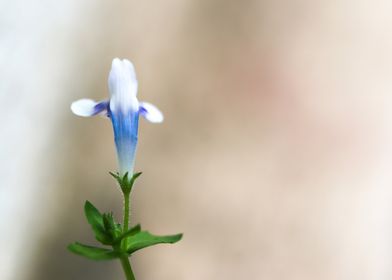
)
(88, 107)
(128, 65)
(150, 112)
(123, 87)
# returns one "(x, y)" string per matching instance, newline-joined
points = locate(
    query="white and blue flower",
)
(123, 109)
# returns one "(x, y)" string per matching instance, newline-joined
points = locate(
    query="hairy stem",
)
(126, 265)
(126, 212)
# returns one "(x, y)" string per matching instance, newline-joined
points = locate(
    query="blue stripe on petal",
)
(101, 108)
(88, 107)
(125, 127)
(150, 112)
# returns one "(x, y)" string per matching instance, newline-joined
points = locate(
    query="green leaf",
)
(95, 219)
(115, 175)
(111, 226)
(93, 253)
(134, 177)
(145, 239)
(124, 180)
(125, 183)
(128, 233)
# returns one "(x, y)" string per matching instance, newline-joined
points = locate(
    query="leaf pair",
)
(108, 232)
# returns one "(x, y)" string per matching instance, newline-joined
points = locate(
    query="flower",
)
(123, 109)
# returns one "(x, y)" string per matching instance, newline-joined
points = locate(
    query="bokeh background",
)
(274, 158)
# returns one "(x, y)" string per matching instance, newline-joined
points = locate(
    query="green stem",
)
(126, 216)
(127, 268)
(126, 265)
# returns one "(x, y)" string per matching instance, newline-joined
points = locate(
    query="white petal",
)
(131, 69)
(150, 112)
(123, 86)
(88, 107)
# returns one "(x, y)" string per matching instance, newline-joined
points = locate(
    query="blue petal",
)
(88, 107)
(125, 127)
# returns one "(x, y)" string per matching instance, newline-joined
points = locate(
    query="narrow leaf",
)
(128, 184)
(128, 233)
(111, 226)
(145, 239)
(95, 219)
(115, 175)
(136, 175)
(93, 253)
(93, 216)
(125, 179)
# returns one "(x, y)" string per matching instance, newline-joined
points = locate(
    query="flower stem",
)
(126, 214)
(126, 265)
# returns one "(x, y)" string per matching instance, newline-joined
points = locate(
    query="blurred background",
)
(274, 158)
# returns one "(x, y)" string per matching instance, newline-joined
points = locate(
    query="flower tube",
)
(123, 109)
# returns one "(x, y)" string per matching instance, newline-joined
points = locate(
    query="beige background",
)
(274, 158)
